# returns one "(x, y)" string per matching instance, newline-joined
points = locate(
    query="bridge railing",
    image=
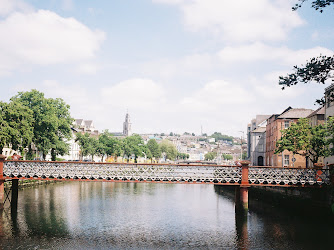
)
(122, 172)
(288, 176)
(220, 174)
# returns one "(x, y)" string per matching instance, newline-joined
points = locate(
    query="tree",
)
(108, 145)
(303, 139)
(318, 69)
(63, 129)
(182, 156)
(295, 138)
(133, 145)
(227, 157)
(330, 134)
(210, 156)
(319, 142)
(88, 145)
(15, 126)
(317, 4)
(154, 148)
(169, 149)
(218, 136)
(171, 134)
(51, 122)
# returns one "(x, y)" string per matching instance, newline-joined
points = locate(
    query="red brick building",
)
(275, 124)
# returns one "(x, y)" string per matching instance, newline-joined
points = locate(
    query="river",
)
(105, 215)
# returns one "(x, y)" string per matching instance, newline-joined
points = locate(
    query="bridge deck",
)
(164, 173)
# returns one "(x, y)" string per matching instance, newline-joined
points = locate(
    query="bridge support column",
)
(15, 194)
(241, 192)
(2, 182)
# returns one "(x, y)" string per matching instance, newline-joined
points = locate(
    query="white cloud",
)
(215, 95)
(258, 52)
(134, 93)
(43, 38)
(9, 6)
(243, 20)
(188, 65)
(87, 68)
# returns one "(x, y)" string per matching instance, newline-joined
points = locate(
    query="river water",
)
(105, 215)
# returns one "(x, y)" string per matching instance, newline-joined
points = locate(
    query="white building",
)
(256, 140)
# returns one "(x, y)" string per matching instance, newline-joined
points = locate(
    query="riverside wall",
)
(306, 201)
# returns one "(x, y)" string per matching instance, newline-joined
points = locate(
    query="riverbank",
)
(30, 183)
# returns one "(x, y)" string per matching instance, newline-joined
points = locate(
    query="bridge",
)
(243, 176)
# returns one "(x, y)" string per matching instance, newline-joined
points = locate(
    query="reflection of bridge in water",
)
(241, 176)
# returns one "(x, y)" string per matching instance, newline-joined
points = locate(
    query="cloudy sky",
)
(176, 65)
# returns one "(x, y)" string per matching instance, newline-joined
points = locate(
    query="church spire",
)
(127, 125)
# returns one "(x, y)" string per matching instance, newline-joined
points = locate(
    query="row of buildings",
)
(265, 130)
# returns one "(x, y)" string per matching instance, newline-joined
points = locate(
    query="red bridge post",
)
(241, 192)
(2, 181)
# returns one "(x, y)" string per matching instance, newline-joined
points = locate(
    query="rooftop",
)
(295, 113)
(319, 111)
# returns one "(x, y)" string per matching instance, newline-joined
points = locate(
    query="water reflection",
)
(138, 215)
(268, 226)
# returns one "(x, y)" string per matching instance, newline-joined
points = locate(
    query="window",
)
(286, 124)
(286, 160)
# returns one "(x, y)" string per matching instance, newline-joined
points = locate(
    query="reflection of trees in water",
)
(225, 191)
(43, 212)
(108, 190)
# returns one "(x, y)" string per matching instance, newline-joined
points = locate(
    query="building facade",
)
(329, 112)
(275, 124)
(256, 143)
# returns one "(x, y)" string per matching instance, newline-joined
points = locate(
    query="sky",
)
(174, 65)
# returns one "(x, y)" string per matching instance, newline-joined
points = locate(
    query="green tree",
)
(16, 128)
(182, 156)
(108, 145)
(227, 157)
(133, 145)
(168, 148)
(154, 148)
(319, 142)
(63, 131)
(218, 136)
(88, 145)
(303, 139)
(295, 138)
(210, 156)
(51, 122)
(329, 126)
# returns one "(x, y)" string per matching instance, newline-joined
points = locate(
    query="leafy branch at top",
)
(317, 69)
(317, 4)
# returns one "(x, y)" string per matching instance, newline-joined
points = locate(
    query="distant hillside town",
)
(294, 138)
